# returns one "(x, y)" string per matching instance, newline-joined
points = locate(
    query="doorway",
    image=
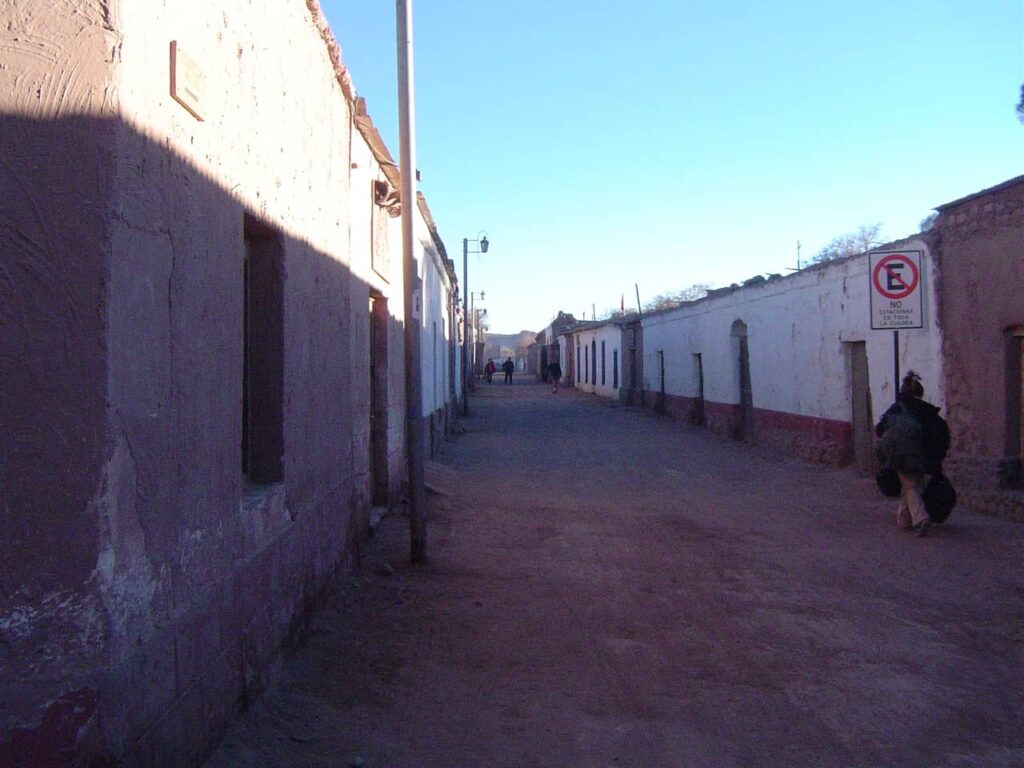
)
(659, 402)
(860, 402)
(379, 400)
(746, 390)
(1012, 466)
(697, 415)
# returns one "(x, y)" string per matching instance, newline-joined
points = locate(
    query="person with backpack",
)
(913, 441)
(554, 375)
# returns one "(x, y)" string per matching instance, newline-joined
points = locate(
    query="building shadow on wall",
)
(186, 441)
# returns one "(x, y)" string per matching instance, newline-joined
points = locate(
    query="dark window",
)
(579, 377)
(263, 354)
(593, 361)
(586, 364)
(615, 368)
(602, 364)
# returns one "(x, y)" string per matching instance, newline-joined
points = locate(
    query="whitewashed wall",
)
(435, 329)
(796, 329)
(590, 380)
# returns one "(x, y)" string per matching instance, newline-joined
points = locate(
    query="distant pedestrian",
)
(508, 367)
(489, 369)
(913, 441)
(554, 374)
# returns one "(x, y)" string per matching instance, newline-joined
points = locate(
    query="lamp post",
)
(482, 244)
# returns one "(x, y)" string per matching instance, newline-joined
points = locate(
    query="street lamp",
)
(482, 244)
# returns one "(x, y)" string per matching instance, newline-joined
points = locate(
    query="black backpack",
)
(901, 445)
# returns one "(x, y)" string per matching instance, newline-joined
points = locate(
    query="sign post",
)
(896, 290)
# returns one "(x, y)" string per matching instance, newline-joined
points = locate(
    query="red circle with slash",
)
(905, 288)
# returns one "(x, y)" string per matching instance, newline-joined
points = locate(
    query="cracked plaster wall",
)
(796, 329)
(57, 85)
(137, 564)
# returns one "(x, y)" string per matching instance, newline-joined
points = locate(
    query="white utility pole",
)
(414, 432)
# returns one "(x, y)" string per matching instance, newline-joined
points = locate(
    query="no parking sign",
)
(896, 289)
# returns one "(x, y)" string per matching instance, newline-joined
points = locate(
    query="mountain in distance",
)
(502, 345)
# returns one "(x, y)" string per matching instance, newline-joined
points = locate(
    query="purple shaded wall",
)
(979, 242)
(57, 189)
(148, 588)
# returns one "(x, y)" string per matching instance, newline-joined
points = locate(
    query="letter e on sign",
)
(896, 290)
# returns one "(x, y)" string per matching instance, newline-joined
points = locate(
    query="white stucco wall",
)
(611, 337)
(796, 330)
(291, 171)
(435, 322)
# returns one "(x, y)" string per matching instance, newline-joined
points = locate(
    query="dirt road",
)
(610, 588)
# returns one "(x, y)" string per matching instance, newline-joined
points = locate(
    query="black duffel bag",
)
(939, 498)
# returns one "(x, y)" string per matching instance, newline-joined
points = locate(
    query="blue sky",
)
(666, 143)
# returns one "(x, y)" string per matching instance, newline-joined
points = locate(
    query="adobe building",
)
(978, 243)
(202, 388)
(793, 363)
(548, 348)
(597, 357)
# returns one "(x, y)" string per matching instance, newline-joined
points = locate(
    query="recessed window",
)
(263, 354)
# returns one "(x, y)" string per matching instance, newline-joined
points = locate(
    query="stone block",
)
(140, 691)
(222, 688)
(197, 642)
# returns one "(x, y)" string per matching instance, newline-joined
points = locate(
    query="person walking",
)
(489, 369)
(554, 375)
(913, 441)
(508, 367)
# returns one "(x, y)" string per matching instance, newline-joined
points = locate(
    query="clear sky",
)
(665, 143)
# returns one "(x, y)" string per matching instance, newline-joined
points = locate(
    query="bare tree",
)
(864, 239)
(672, 299)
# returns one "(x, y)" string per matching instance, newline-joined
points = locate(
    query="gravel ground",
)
(609, 588)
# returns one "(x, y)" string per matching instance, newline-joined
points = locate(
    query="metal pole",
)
(896, 361)
(640, 314)
(474, 332)
(453, 342)
(465, 328)
(413, 376)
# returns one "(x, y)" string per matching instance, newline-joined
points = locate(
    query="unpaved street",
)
(610, 588)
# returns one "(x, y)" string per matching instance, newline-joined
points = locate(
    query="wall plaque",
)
(187, 84)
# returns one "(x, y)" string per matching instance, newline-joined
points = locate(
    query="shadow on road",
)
(609, 588)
